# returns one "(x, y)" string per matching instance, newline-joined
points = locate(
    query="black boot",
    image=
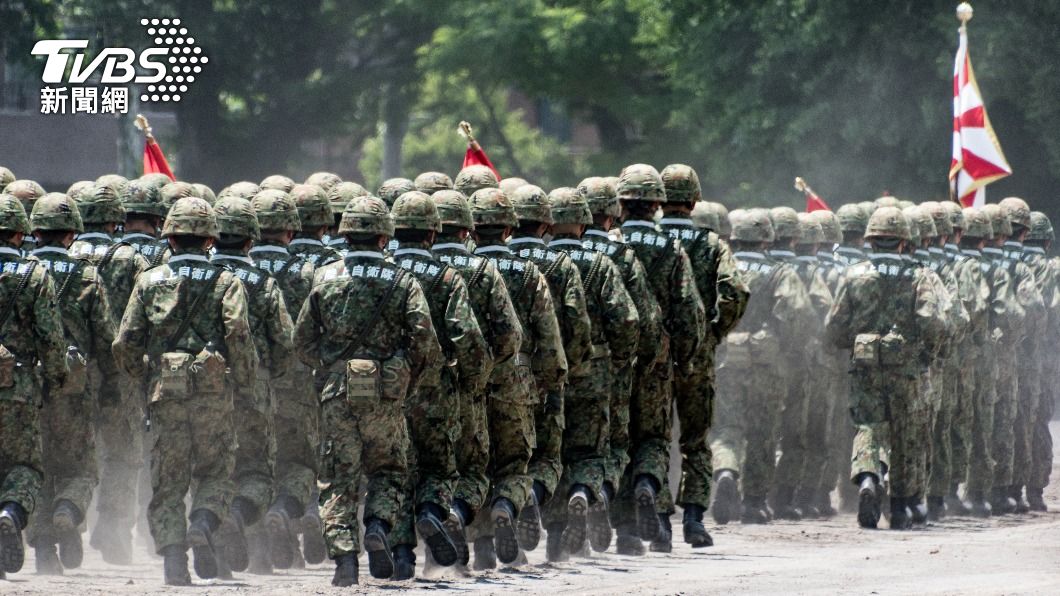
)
(936, 508)
(66, 519)
(664, 542)
(785, 507)
(980, 506)
(917, 510)
(278, 529)
(695, 532)
(754, 510)
(1036, 500)
(647, 518)
(231, 541)
(430, 528)
(900, 517)
(955, 505)
(575, 533)
(1000, 502)
(804, 502)
(868, 501)
(404, 563)
(726, 505)
(485, 554)
(13, 520)
(599, 521)
(503, 515)
(380, 561)
(529, 524)
(823, 504)
(314, 549)
(175, 566)
(47, 557)
(345, 571)
(628, 543)
(555, 551)
(455, 525)
(1016, 492)
(200, 536)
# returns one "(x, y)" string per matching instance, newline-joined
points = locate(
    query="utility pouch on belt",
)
(363, 382)
(866, 349)
(892, 350)
(77, 377)
(7, 368)
(208, 372)
(738, 349)
(173, 376)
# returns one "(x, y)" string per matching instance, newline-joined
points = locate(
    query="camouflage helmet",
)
(55, 212)
(325, 180)
(314, 210)
(453, 209)
(414, 210)
(366, 215)
(977, 224)
(510, 185)
(956, 214)
(235, 217)
(474, 178)
(115, 181)
(1041, 228)
(810, 230)
(244, 190)
(640, 182)
(998, 219)
(155, 179)
(276, 210)
(277, 182)
(887, 222)
(6, 177)
(174, 191)
(191, 216)
(681, 183)
(205, 193)
(751, 226)
(491, 207)
(724, 225)
(340, 195)
(600, 195)
(75, 190)
(914, 228)
(852, 218)
(939, 216)
(393, 188)
(143, 198)
(886, 201)
(1017, 210)
(531, 204)
(785, 222)
(568, 206)
(904, 204)
(13, 214)
(705, 218)
(829, 226)
(27, 191)
(432, 182)
(100, 204)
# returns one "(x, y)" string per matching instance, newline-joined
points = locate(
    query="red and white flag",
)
(154, 160)
(977, 156)
(813, 201)
(475, 156)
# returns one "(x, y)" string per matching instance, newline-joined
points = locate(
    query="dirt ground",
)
(1007, 555)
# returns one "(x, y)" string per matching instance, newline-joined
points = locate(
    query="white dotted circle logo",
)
(184, 58)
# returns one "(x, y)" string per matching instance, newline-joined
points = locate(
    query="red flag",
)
(155, 161)
(475, 156)
(813, 202)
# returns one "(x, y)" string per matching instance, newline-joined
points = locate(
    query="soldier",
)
(539, 369)
(852, 222)
(296, 413)
(499, 322)
(389, 191)
(339, 196)
(70, 468)
(725, 298)
(120, 439)
(433, 411)
(315, 215)
(568, 298)
(432, 182)
(614, 325)
(185, 329)
(31, 331)
(270, 328)
(28, 192)
(641, 191)
(144, 213)
(277, 182)
(366, 331)
(653, 357)
(888, 315)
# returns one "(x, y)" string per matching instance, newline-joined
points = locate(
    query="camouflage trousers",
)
(473, 453)
(431, 415)
(193, 448)
(70, 468)
(693, 395)
(296, 425)
(650, 422)
(119, 440)
(841, 431)
(1006, 409)
(891, 443)
(942, 472)
(1027, 406)
(255, 448)
(1042, 447)
(371, 443)
(980, 472)
(928, 389)
(21, 458)
(618, 441)
(818, 471)
(546, 462)
(961, 415)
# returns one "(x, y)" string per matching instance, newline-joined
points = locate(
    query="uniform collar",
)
(188, 257)
(270, 248)
(638, 223)
(450, 246)
(1013, 245)
(782, 253)
(993, 251)
(748, 254)
(309, 241)
(920, 252)
(136, 236)
(1034, 249)
(849, 250)
(936, 251)
(526, 240)
(492, 248)
(890, 256)
(824, 255)
(93, 236)
(951, 247)
(676, 221)
(367, 254)
(600, 233)
(336, 241)
(50, 249)
(224, 257)
(566, 242)
(806, 259)
(413, 251)
(7, 250)
(971, 252)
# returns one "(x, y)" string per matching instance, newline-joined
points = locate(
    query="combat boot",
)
(555, 551)
(1000, 502)
(503, 515)
(917, 510)
(345, 571)
(200, 536)
(574, 534)
(900, 517)
(823, 504)
(13, 520)
(430, 528)
(980, 506)
(936, 508)
(1036, 500)
(804, 503)
(529, 523)
(66, 519)
(455, 525)
(868, 501)
(1016, 492)
(599, 521)
(380, 561)
(314, 548)
(628, 543)
(113, 539)
(485, 554)
(404, 563)
(231, 540)
(258, 556)
(695, 532)
(754, 510)
(175, 566)
(726, 505)
(47, 557)
(956, 505)
(664, 542)
(278, 529)
(647, 518)
(785, 508)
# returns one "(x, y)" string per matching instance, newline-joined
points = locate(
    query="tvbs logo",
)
(166, 68)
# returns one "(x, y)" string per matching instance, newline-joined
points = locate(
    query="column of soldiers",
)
(474, 361)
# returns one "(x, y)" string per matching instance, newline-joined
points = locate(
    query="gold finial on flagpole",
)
(964, 13)
(144, 126)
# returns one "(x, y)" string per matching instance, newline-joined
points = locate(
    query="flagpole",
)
(964, 14)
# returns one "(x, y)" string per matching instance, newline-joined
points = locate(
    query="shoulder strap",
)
(594, 271)
(23, 281)
(109, 255)
(527, 274)
(286, 266)
(479, 272)
(171, 344)
(555, 264)
(437, 281)
(157, 260)
(373, 319)
(66, 282)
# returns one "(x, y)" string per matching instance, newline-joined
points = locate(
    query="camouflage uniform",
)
(27, 191)
(315, 212)
(32, 332)
(339, 196)
(145, 199)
